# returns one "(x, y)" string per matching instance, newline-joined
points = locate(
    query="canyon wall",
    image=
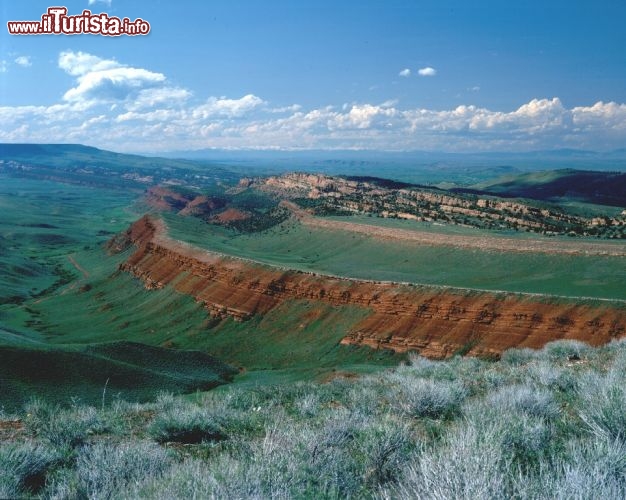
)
(436, 322)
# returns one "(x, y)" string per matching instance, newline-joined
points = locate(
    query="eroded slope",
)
(437, 322)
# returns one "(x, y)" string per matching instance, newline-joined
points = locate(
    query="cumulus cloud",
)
(112, 84)
(4, 66)
(228, 107)
(116, 106)
(406, 72)
(609, 116)
(23, 61)
(81, 63)
(361, 116)
(151, 97)
(427, 71)
(103, 80)
(538, 115)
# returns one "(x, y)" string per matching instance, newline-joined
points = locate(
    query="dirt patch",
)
(230, 215)
(78, 267)
(338, 374)
(11, 429)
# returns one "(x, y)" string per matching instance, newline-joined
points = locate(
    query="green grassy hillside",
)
(128, 370)
(83, 165)
(43, 222)
(113, 306)
(48, 232)
(600, 188)
(69, 157)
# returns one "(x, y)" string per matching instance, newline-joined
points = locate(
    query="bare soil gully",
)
(436, 322)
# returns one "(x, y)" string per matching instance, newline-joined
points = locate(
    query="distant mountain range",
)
(419, 156)
(421, 167)
(598, 177)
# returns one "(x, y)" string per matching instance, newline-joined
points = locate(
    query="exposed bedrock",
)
(437, 322)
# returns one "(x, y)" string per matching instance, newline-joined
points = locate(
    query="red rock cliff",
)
(436, 322)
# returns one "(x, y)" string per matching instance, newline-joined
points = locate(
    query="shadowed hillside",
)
(133, 371)
(601, 188)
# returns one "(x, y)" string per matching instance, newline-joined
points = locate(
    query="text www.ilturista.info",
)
(57, 22)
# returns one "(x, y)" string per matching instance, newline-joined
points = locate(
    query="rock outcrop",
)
(404, 201)
(183, 202)
(437, 322)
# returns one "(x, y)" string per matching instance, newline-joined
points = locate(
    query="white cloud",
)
(361, 116)
(284, 109)
(123, 108)
(4, 66)
(149, 116)
(427, 71)
(81, 63)
(96, 120)
(406, 72)
(150, 97)
(389, 103)
(112, 84)
(536, 116)
(23, 61)
(609, 116)
(106, 2)
(228, 107)
(104, 80)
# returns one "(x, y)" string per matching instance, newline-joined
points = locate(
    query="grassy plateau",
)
(341, 253)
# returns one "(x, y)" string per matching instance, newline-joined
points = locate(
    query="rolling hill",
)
(130, 370)
(600, 188)
(84, 165)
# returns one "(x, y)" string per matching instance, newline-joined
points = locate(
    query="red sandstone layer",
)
(433, 321)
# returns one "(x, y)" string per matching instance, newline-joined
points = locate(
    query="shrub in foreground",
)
(63, 428)
(418, 397)
(469, 465)
(186, 426)
(603, 403)
(23, 468)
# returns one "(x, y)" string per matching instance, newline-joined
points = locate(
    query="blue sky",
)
(389, 75)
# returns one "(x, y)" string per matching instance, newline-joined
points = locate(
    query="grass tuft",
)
(24, 467)
(186, 426)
